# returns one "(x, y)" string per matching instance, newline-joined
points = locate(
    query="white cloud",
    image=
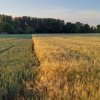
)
(57, 10)
(91, 17)
(86, 16)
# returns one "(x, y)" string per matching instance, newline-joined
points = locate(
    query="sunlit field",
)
(50, 67)
(70, 67)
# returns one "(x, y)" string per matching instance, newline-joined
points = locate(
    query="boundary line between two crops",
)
(35, 55)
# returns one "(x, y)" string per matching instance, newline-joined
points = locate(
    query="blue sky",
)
(86, 11)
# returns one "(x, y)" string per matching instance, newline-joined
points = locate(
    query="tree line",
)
(30, 25)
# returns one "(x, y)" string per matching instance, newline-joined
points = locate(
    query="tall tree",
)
(98, 28)
(29, 25)
(70, 28)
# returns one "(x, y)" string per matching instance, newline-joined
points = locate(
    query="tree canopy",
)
(32, 25)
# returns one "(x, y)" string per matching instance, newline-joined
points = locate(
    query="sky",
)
(85, 11)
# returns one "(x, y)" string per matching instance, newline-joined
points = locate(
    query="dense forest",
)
(30, 25)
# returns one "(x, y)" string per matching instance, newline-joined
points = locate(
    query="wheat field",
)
(17, 64)
(69, 67)
(50, 67)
